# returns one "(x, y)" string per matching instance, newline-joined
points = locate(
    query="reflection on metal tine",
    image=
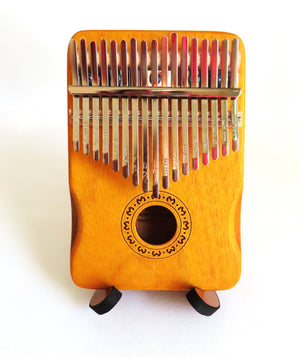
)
(214, 101)
(75, 81)
(184, 106)
(105, 104)
(224, 102)
(155, 127)
(84, 64)
(115, 107)
(164, 113)
(85, 99)
(174, 106)
(145, 133)
(234, 84)
(134, 111)
(125, 109)
(194, 105)
(204, 102)
(95, 100)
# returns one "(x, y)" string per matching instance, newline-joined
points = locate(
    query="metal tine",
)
(174, 106)
(164, 114)
(115, 107)
(194, 104)
(95, 100)
(204, 102)
(234, 82)
(85, 99)
(224, 101)
(75, 82)
(134, 113)
(125, 110)
(184, 106)
(145, 130)
(105, 103)
(155, 127)
(214, 101)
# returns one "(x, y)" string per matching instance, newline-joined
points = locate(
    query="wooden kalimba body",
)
(156, 150)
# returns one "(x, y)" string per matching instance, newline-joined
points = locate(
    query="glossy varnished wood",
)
(211, 258)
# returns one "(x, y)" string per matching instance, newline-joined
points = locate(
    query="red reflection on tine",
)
(154, 63)
(204, 64)
(114, 63)
(133, 60)
(104, 69)
(174, 60)
(184, 62)
(94, 62)
(214, 63)
(194, 63)
(84, 65)
(124, 65)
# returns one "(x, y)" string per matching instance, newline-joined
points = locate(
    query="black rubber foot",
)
(204, 302)
(103, 306)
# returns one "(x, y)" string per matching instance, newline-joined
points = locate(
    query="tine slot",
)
(214, 101)
(134, 111)
(234, 84)
(95, 100)
(75, 81)
(85, 99)
(105, 104)
(184, 107)
(125, 109)
(224, 102)
(204, 102)
(155, 127)
(164, 113)
(194, 105)
(174, 106)
(145, 131)
(115, 107)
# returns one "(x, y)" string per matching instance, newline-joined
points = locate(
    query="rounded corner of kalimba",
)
(78, 34)
(235, 278)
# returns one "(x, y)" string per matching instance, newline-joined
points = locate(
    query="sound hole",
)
(156, 225)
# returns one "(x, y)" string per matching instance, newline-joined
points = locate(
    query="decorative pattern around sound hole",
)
(140, 204)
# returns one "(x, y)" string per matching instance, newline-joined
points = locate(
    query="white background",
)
(42, 313)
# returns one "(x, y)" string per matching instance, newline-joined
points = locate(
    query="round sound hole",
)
(156, 225)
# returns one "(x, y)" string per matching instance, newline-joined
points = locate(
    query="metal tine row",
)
(184, 106)
(234, 82)
(164, 72)
(85, 99)
(224, 101)
(194, 104)
(76, 99)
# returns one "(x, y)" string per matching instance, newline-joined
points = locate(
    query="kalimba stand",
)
(204, 302)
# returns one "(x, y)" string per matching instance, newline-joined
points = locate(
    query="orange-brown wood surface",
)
(207, 256)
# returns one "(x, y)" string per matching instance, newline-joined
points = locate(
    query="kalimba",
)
(156, 142)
